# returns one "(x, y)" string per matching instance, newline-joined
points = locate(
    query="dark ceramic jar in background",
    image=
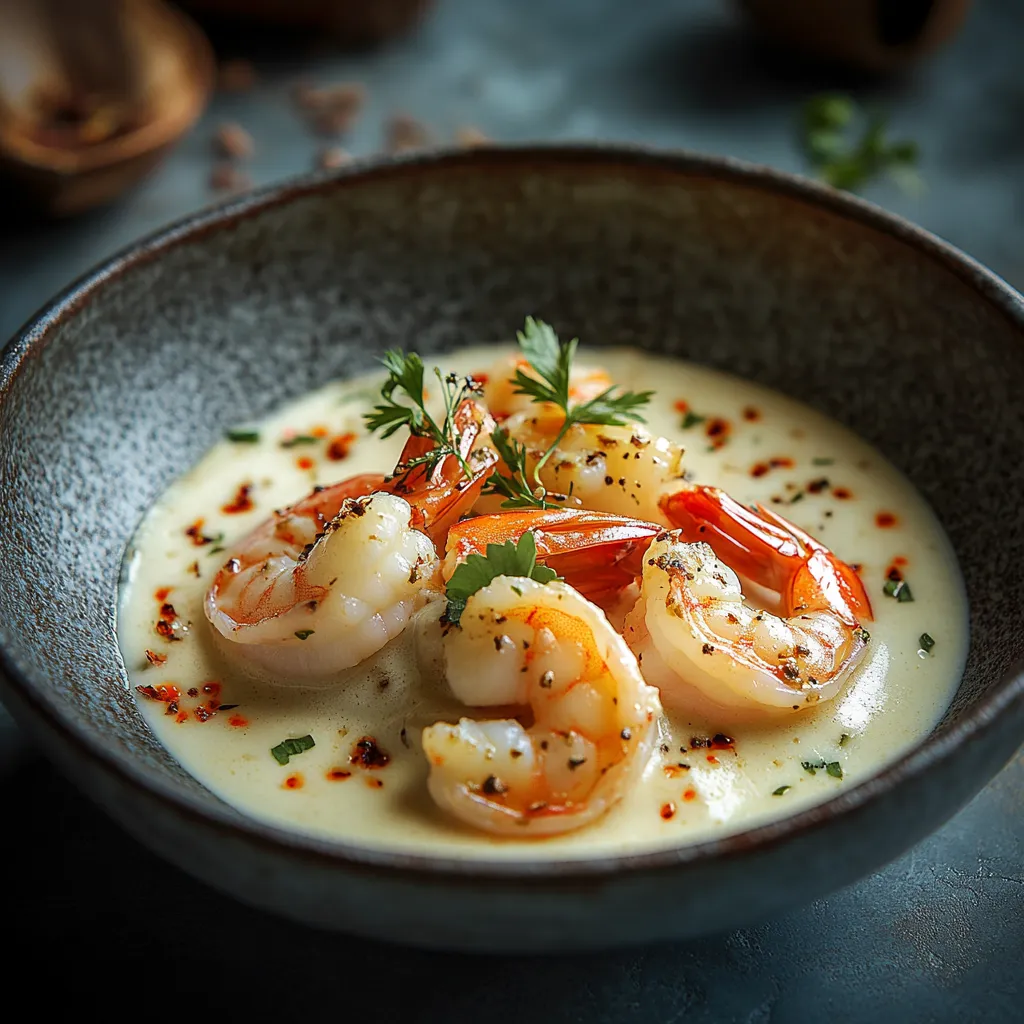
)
(873, 35)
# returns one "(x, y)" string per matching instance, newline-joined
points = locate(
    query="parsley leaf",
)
(405, 375)
(551, 362)
(477, 571)
(287, 749)
(847, 163)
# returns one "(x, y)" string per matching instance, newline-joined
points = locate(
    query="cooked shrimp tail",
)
(769, 550)
(597, 553)
(443, 491)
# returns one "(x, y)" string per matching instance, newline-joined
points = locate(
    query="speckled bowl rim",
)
(940, 745)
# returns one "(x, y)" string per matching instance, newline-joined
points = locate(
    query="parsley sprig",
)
(551, 362)
(851, 163)
(405, 375)
(477, 571)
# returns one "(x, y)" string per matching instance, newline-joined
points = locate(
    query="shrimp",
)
(500, 394)
(593, 718)
(322, 585)
(301, 597)
(692, 627)
(597, 553)
(619, 469)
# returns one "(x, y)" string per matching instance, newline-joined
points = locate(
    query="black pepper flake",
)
(493, 786)
(708, 649)
(574, 762)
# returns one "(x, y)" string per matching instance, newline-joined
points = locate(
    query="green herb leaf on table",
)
(848, 162)
(287, 749)
(477, 571)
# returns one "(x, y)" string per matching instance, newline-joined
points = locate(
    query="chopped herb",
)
(861, 633)
(304, 634)
(216, 550)
(292, 442)
(405, 374)
(822, 462)
(898, 589)
(849, 164)
(551, 360)
(799, 496)
(927, 643)
(477, 571)
(844, 739)
(780, 790)
(690, 419)
(243, 436)
(812, 766)
(835, 769)
(287, 749)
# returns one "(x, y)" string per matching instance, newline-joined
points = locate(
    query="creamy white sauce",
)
(896, 699)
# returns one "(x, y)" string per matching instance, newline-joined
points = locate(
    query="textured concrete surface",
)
(936, 936)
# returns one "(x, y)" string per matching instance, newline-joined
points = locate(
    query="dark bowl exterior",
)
(122, 383)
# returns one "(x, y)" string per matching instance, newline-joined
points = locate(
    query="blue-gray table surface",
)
(934, 936)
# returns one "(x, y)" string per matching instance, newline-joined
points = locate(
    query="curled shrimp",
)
(501, 396)
(593, 719)
(624, 470)
(692, 627)
(597, 553)
(322, 585)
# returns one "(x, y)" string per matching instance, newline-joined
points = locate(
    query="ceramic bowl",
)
(123, 382)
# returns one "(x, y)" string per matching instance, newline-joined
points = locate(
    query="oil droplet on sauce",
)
(884, 520)
(304, 462)
(690, 794)
(238, 721)
(842, 493)
(338, 775)
(751, 415)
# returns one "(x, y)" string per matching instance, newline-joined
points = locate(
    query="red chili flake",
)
(193, 692)
(712, 759)
(895, 570)
(162, 594)
(759, 469)
(165, 628)
(318, 432)
(295, 781)
(166, 692)
(668, 810)
(238, 721)
(690, 794)
(682, 407)
(182, 717)
(338, 775)
(156, 659)
(204, 713)
(722, 742)
(817, 486)
(718, 430)
(751, 415)
(340, 447)
(842, 493)
(241, 502)
(304, 462)
(367, 754)
(781, 462)
(374, 783)
(884, 520)
(195, 531)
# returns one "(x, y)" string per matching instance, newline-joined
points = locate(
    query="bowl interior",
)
(119, 390)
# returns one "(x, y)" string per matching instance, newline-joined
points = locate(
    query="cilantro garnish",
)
(477, 571)
(405, 375)
(846, 163)
(243, 436)
(287, 749)
(833, 768)
(898, 589)
(551, 361)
